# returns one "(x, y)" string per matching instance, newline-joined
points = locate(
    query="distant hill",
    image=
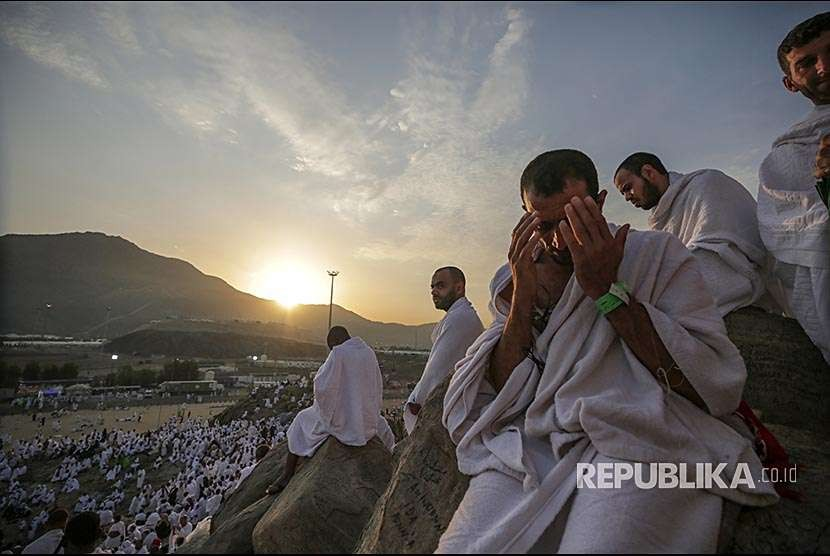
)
(178, 343)
(81, 274)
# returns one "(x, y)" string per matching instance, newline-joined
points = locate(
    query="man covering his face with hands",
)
(605, 347)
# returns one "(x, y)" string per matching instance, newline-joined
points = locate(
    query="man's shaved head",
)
(447, 286)
(548, 173)
(642, 179)
(454, 272)
(337, 335)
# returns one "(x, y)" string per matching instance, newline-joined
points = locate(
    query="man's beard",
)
(812, 90)
(444, 303)
(652, 195)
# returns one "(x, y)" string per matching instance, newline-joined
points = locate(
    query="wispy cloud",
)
(450, 111)
(423, 173)
(32, 28)
(205, 65)
(115, 19)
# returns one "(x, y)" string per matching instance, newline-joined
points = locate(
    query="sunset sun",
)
(289, 285)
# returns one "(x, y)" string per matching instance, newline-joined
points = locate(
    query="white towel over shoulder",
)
(795, 224)
(715, 217)
(450, 339)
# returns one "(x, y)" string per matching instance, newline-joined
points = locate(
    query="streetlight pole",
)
(331, 273)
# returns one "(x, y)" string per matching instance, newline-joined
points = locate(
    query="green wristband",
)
(608, 303)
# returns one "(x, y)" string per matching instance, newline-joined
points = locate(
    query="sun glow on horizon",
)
(289, 284)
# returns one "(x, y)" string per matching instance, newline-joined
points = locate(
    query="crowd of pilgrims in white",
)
(213, 460)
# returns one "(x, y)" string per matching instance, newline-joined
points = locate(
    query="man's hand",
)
(823, 158)
(517, 336)
(596, 253)
(520, 255)
(414, 408)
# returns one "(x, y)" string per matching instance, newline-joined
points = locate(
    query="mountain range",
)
(92, 285)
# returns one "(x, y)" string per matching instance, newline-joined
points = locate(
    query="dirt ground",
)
(77, 423)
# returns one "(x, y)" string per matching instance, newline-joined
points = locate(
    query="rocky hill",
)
(416, 493)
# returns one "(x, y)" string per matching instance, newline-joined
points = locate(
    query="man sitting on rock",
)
(714, 216)
(606, 351)
(348, 397)
(450, 338)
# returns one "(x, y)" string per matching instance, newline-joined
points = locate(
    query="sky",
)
(268, 143)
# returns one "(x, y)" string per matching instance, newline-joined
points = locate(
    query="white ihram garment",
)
(593, 401)
(450, 339)
(348, 396)
(795, 225)
(715, 218)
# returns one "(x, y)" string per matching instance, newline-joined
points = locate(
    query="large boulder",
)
(235, 535)
(424, 492)
(788, 383)
(790, 526)
(326, 505)
(253, 487)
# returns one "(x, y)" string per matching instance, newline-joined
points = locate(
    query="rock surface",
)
(253, 488)
(790, 526)
(788, 381)
(235, 535)
(326, 505)
(424, 492)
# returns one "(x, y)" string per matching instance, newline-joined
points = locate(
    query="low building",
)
(78, 390)
(27, 388)
(217, 369)
(112, 390)
(190, 387)
(264, 381)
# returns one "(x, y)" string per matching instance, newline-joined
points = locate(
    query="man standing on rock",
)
(450, 338)
(606, 351)
(795, 181)
(713, 215)
(348, 397)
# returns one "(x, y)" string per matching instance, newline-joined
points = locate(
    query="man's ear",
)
(649, 172)
(788, 84)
